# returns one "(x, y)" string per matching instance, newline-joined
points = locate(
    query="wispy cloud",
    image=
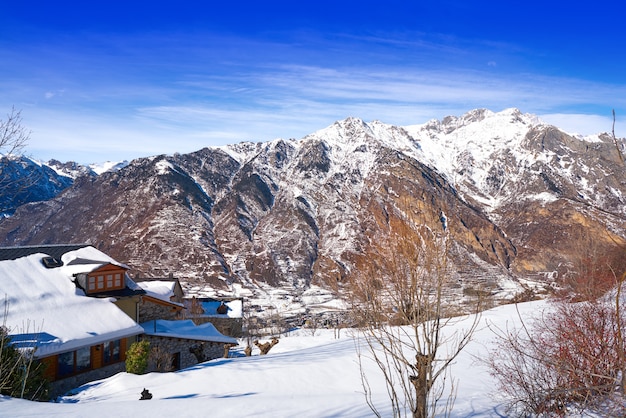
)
(137, 97)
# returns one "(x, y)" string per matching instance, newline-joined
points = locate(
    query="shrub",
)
(137, 357)
(569, 358)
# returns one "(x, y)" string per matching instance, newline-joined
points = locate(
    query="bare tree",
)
(13, 135)
(13, 139)
(593, 268)
(250, 330)
(312, 324)
(401, 306)
(21, 374)
(573, 355)
(160, 360)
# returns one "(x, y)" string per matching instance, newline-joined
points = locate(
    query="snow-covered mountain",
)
(520, 199)
(25, 180)
(489, 154)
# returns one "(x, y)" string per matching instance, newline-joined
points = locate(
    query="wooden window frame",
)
(109, 281)
(75, 363)
(108, 350)
(105, 279)
(118, 280)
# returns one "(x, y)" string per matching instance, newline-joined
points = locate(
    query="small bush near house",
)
(137, 357)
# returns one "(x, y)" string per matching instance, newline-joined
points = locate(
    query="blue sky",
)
(107, 80)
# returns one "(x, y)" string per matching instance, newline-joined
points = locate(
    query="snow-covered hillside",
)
(100, 168)
(303, 376)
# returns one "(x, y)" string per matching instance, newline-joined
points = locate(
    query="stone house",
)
(179, 344)
(176, 342)
(74, 306)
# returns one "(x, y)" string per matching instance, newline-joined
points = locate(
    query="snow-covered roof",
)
(186, 329)
(87, 259)
(160, 289)
(45, 309)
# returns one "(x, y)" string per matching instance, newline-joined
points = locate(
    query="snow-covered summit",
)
(483, 153)
(106, 166)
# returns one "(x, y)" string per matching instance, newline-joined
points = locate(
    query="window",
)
(74, 362)
(103, 280)
(83, 359)
(65, 364)
(111, 351)
(118, 280)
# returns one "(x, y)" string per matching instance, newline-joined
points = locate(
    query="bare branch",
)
(570, 357)
(13, 135)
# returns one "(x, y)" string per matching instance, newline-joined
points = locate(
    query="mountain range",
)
(523, 202)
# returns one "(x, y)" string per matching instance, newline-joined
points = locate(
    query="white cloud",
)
(293, 101)
(210, 99)
(585, 124)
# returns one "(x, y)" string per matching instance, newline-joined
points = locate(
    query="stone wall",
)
(149, 311)
(186, 348)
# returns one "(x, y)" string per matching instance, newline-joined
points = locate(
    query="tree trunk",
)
(420, 382)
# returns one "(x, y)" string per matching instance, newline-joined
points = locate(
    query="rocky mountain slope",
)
(520, 200)
(23, 180)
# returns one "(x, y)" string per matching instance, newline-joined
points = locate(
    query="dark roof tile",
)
(55, 251)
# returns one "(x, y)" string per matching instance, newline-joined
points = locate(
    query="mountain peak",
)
(509, 115)
(352, 130)
(352, 121)
(108, 166)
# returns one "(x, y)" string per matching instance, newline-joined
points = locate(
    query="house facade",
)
(175, 341)
(76, 307)
(79, 310)
(183, 344)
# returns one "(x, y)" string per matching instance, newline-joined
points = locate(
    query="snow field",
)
(303, 376)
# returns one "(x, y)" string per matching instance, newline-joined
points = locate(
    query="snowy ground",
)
(303, 376)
